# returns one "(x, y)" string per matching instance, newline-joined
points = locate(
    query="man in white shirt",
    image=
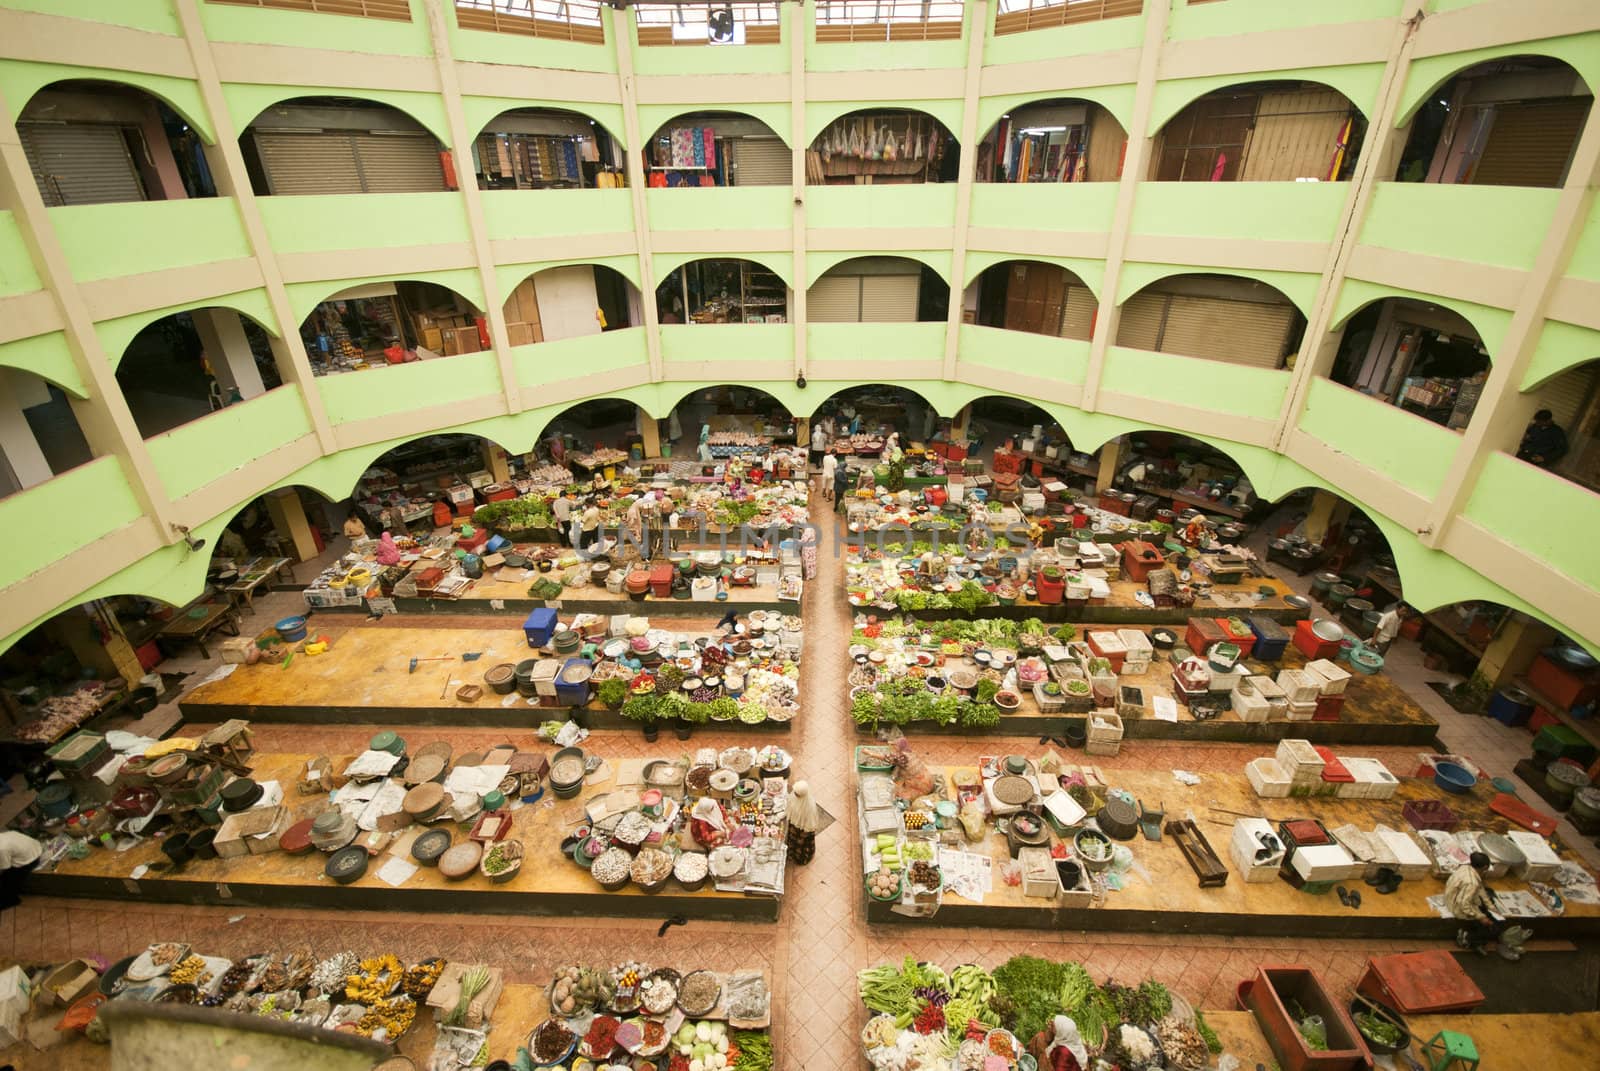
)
(1470, 900)
(830, 466)
(819, 441)
(19, 854)
(1388, 628)
(561, 509)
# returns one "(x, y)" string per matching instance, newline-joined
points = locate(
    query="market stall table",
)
(196, 622)
(548, 883)
(365, 676)
(1169, 900)
(242, 592)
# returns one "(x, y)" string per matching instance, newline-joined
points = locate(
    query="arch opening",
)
(1512, 121)
(1279, 131)
(883, 146)
(1564, 435)
(40, 436)
(389, 323)
(1425, 359)
(96, 142)
(722, 292)
(571, 301)
(338, 145)
(1065, 139)
(715, 148)
(732, 417)
(547, 149)
(878, 290)
(1215, 317)
(1033, 296)
(189, 364)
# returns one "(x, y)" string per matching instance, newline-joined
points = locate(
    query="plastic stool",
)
(1448, 1049)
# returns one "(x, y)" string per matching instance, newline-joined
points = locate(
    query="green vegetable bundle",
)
(755, 1050)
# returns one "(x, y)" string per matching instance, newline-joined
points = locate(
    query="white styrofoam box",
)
(1301, 711)
(1226, 682)
(1362, 846)
(1248, 703)
(1064, 809)
(1136, 666)
(1268, 778)
(1135, 641)
(1300, 760)
(1299, 686)
(1376, 782)
(1333, 677)
(1325, 862)
(1243, 848)
(1349, 790)
(1033, 502)
(1542, 861)
(1038, 873)
(1402, 852)
(1107, 642)
(1271, 692)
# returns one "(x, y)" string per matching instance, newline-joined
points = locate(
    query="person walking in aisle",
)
(830, 473)
(561, 509)
(841, 479)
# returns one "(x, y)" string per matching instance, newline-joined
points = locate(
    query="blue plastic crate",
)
(571, 695)
(540, 627)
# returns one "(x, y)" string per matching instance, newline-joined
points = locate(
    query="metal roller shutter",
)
(1531, 143)
(762, 161)
(399, 163)
(81, 163)
(1239, 332)
(889, 298)
(1077, 318)
(1296, 135)
(834, 299)
(1139, 326)
(303, 162)
(1565, 394)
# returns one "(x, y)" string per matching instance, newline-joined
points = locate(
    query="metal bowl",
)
(1328, 629)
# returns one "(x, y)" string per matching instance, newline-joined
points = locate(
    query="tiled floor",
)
(822, 938)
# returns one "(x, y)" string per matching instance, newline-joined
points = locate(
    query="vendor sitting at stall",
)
(1470, 900)
(354, 527)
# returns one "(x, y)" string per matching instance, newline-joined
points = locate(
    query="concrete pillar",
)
(289, 518)
(958, 426)
(1511, 651)
(18, 444)
(802, 432)
(1110, 459)
(1326, 511)
(168, 182)
(495, 460)
(222, 337)
(649, 432)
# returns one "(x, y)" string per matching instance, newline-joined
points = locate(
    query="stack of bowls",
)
(332, 830)
(389, 741)
(425, 802)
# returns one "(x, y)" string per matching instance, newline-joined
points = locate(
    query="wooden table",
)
(184, 627)
(259, 572)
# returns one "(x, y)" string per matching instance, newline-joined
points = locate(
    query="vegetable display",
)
(931, 1021)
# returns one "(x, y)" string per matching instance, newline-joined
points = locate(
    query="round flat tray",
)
(461, 861)
(428, 848)
(347, 864)
(296, 840)
(1012, 790)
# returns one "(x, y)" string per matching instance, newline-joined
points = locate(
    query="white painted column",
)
(972, 83)
(223, 339)
(17, 441)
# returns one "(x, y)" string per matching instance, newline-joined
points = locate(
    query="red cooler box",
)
(1243, 637)
(661, 580)
(1202, 633)
(1311, 645)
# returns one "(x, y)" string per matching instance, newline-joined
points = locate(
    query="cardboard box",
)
(236, 649)
(238, 835)
(1038, 873)
(524, 334)
(433, 339)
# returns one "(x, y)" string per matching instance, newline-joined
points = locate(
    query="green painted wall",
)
(516, 50)
(246, 101)
(306, 29)
(1023, 353)
(16, 266)
(1490, 323)
(875, 342)
(1063, 42)
(19, 81)
(720, 208)
(1189, 21)
(1518, 503)
(201, 451)
(1560, 346)
(1401, 446)
(727, 342)
(1047, 206)
(701, 60)
(58, 507)
(557, 213)
(112, 240)
(927, 205)
(571, 358)
(1218, 386)
(1585, 262)
(1298, 287)
(1582, 51)
(47, 356)
(303, 297)
(1279, 211)
(116, 334)
(155, 16)
(402, 388)
(330, 222)
(1501, 225)
(1358, 81)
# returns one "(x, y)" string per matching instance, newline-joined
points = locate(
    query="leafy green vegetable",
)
(1208, 1035)
(1089, 1005)
(884, 989)
(1379, 1029)
(755, 1050)
(1032, 986)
